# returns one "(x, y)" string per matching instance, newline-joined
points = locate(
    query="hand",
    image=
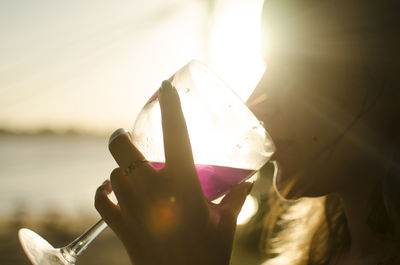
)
(162, 216)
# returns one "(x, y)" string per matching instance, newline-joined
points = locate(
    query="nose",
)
(265, 105)
(263, 100)
(258, 95)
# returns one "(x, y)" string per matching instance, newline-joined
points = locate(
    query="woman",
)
(330, 100)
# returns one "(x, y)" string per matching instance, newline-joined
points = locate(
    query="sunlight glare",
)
(249, 208)
(234, 46)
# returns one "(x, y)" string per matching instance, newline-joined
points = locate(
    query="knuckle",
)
(116, 175)
(99, 193)
(98, 190)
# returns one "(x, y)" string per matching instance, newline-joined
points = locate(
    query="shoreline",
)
(50, 132)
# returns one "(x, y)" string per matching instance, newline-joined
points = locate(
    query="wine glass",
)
(228, 143)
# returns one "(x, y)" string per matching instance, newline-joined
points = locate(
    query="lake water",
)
(52, 173)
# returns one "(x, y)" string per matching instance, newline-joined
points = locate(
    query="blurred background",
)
(71, 72)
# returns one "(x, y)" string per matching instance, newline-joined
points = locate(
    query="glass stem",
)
(76, 247)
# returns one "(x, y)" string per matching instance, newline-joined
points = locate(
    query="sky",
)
(92, 64)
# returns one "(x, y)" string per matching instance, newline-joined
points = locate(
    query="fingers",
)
(109, 211)
(134, 196)
(234, 200)
(178, 151)
(231, 205)
(121, 186)
(125, 153)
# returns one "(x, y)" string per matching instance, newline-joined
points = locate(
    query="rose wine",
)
(216, 181)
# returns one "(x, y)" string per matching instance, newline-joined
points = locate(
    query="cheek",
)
(304, 114)
(306, 170)
(304, 134)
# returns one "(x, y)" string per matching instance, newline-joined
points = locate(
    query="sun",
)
(234, 46)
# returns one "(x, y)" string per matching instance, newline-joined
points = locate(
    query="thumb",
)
(234, 200)
(231, 205)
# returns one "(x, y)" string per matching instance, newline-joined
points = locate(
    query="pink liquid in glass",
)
(216, 181)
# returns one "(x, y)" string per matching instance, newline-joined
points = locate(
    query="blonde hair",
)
(310, 231)
(299, 221)
(301, 232)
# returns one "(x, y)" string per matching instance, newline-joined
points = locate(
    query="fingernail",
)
(166, 86)
(117, 133)
(105, 182)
